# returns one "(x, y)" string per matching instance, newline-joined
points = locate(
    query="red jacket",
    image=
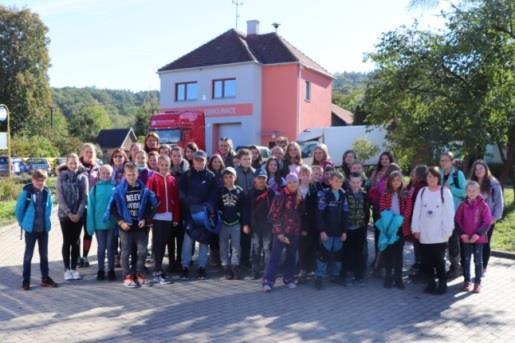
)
(405, 205)
(167, 193)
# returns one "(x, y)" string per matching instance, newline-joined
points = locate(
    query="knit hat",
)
(292, 177)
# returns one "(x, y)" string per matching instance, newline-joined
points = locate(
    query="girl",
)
(348, 158)
(88, 161)
(98, 202)
(432, 225)
(257, 160)
(165, 150)
(152, 142)
(190, 149)
(144, 173)
(274, 179)
(216, 165)
(321, 156)
(492, 193)
(473, 219)
(226, 150)
(385, 159)
(293, 160)
(153, 156)
(179, 164)
(285, 217)
(396, 200)
(133, 150)
(118, 160)
(72, 194)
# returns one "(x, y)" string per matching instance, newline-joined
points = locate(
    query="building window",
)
(225, 88)
(186, 91)
(307, 91)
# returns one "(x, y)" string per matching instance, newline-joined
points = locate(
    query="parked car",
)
(18, 166)
(4, 166)
(38, 163)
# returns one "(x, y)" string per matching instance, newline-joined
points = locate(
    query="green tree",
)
(364, 149)
(24, 64)
(87, 122)
(33, 146)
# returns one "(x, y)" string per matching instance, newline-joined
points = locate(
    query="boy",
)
(332, 218)
(324, 183)
(359, 216)
(245, 179)
(259, 201)
(33, 211)
(357, 168)
(132, 205)
(231, 208)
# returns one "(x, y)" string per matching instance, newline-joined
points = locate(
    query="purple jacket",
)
(474, 217)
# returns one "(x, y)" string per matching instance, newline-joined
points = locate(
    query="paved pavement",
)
(237, 311)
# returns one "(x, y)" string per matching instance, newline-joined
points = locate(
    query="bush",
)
(33, 146)
(364, 149)
(9, 189)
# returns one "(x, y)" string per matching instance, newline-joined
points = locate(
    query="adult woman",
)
(257, 160)
(134, 149)
(492, 193)
(151, 142)
(72, 194)
(348, 159)
(321, 156)
(432, 225)
(88, 161)
(118, 160)
(226, 150)
(179, 164)
(293, 160)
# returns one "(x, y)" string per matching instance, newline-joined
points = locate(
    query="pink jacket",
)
(474, 217)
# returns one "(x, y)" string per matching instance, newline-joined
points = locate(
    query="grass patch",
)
(504, 234)
(7, 212)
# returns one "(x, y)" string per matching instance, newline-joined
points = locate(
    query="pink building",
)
(253, 87)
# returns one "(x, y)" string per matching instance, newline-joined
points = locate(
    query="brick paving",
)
(237, 311)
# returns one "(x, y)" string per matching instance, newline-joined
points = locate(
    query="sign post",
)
(4, 115)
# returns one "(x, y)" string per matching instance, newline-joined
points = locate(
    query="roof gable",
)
(114, 138)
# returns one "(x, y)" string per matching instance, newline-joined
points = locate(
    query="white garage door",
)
(233, 131)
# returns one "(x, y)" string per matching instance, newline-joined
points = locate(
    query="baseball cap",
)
(260, 172)
(200, 155)
(229, 170)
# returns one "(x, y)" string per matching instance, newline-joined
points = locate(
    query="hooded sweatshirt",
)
(98, 201)
(474, 217)
(72, 191)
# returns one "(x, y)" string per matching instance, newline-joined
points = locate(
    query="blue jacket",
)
(26, 209)
(98, 202)
(389, 225)
(332, 214)
(457, 190)
(118, 204)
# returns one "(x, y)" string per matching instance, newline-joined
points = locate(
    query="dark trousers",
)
(476, 250)
(174, 244)
(86, 239)
(433, 261)
(261, 246)
(139, 237)
(393, 259)
(105, 242)
(355, 258)
(245, 249)
(289, 263)
(486, 248)
(454, 249)
(416, 252)
(160, 235)
(30, 242)
(71, 242)
(308, 250)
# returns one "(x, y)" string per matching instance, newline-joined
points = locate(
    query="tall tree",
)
(24, 64)
(87, 122)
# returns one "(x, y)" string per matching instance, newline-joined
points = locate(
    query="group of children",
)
(250, 213)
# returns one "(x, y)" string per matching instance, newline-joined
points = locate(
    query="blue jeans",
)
(477, 250)
(229, 239)
(331, 248)
(30, 243)
(261, 245)
(105, 240)
(187, 246)
(289, 263)
(138, 237)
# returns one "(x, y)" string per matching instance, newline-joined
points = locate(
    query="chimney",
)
(252, 27)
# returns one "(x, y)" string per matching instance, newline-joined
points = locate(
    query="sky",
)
(120, 44)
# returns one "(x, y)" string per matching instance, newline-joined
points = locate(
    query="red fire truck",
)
(180, 127)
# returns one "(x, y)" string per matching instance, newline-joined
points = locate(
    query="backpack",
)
(441, 194)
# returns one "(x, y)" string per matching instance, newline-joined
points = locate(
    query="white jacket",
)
(433, 219)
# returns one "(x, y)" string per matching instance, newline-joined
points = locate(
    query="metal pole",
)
(10, 165)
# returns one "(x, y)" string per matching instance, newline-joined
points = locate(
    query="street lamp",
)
(4, 115)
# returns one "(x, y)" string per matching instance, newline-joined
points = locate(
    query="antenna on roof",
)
(237, 4)
(276, 26)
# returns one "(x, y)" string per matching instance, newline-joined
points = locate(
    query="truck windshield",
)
(169, 136)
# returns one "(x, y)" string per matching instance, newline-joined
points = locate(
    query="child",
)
(259, 201)
(395, 200)
(473, 219)
(167, 216)
(152, 160)
(274, 179)
(359, 216)
(308, 234)
(165, 150)
(144, 173)
(98, 201)
(332, 222)
(317, 173)
(324, 183)
(285, 218)
(132, 205)
(33, 211)
(231, 209)
(293, 159)
(245, 179)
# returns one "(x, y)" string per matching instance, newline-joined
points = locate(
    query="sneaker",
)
(477, 288)
(228, 273)
(302, 278)
(75, 275)
(236, 271)
(142, 281)
(111, 276)
(68, 275)
(48, 282)
(25, 285)
(201, 273)
(291, 285)
(467, 287)
(129, 282)
(101, 276)
(318, 283)
(185, 273)
(161, 279)
(85, 262)
(267, 289)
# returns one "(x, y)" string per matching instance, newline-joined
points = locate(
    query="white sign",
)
(3, 141)
(3, 113)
